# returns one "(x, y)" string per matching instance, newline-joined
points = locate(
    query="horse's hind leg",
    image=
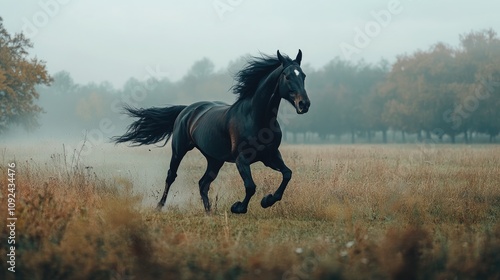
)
(179, 150)
(213, 168)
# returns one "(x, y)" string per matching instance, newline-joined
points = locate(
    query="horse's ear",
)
(298, 59)
(280, 57)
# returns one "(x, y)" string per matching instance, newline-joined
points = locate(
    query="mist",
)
(428, 95)
(105, 55)
(114, 40)
(393, 150)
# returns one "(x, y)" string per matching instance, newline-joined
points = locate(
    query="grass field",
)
(350, 212)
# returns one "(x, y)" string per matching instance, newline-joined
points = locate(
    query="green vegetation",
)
(350, 212)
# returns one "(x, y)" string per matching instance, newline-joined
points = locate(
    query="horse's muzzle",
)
(302, 106)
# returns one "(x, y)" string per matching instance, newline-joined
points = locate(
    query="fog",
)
(114, 40)
(106, 54)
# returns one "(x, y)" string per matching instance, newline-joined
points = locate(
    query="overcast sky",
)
(99, 40)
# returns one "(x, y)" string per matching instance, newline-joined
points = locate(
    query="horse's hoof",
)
(267, 201)
(238, 208)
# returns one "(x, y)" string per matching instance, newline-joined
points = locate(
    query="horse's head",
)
(291, 83)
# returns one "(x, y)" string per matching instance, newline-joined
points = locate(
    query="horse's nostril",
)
(304, 104)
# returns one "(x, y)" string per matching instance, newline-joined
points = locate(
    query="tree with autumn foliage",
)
(477, 109)
(445, 90)
(19, 75)
(421, 87)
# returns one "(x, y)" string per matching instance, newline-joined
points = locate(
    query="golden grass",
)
(350, 212)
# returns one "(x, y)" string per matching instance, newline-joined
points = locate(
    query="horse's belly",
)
(213, 144)
(208, 132)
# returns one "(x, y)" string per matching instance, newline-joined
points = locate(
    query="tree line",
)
(437, 94)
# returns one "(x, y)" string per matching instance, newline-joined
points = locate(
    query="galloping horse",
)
(244, 132)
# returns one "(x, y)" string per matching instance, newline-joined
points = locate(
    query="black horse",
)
(243, 133)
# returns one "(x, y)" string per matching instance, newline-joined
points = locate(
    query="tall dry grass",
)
(350, 212)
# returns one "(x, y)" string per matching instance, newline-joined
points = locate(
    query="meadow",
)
(350, 212)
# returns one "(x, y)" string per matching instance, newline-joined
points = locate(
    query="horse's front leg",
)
(243, 165)
(275, 161)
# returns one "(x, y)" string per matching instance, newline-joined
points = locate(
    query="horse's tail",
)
(154, 125)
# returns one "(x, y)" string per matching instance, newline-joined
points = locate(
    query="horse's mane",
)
(256, 69)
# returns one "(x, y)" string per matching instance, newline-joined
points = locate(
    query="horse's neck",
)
(266, 101)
